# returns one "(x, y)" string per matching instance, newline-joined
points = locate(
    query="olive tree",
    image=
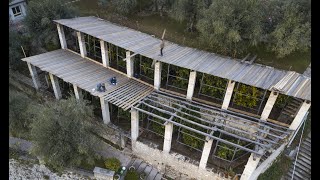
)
(62, 133)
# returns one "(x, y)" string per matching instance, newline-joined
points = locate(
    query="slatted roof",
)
(82, 72)
(257, 75)
(128, 94)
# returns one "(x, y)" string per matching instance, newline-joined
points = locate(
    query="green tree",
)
(15, 51)
(189, 11)
(293, 32)
(39, 21)
(62, 133)
(121, 6)
(230, 26)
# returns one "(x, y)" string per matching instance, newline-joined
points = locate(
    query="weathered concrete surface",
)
(191, 84)
(269, 105)
(157, 75)
(176, 161)
(228, 95)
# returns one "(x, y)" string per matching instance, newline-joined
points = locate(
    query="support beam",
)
(134, 125)
(130, 65)
(82, 44)
(269, 105)
(167, 137)
(77, 92)
(104, 53)
(301, 113)
(34, 75)
(205, 153)
(157, 75)
(105, 110)
(228, 95)
(250, 167)
(191, 84)
(55, 86)
(62, 37)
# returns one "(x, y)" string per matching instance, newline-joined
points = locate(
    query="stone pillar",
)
(134, 125)
(130, 65)
(104, 53)
(157, 75)
(191, 84)
(268, 107)
(205, 153)
(228, 95)
(82, 44)
(167, 137)
(34, 75)
(55, 86)
(250, 167)
(62, 37)
(299, 117)
(105, 110)
(77, 91)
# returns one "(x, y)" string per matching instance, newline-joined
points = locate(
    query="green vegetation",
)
(180, 73)
(277, 170)
(132, 175)
(247, 96)
(112, 163)
(61, 133)
(215, 82)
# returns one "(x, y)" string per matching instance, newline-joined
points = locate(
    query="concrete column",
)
(34, 75)
(268, 107)
(167, 137)
(55, 86)
(104, 53)
(191, 84)
(250, 167)
(301, 113)
(157, 75)
(130, 65)
(205, 153)
(134, 124)
(62, 37)
(82, 45)
(105, 110)
(77, 91)
(228, 95)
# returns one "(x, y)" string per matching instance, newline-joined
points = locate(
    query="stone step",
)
(305, 155)
(304, 160)
(137, 163)
(303, 166)
(141, 167)
(152, 174)
(305, 149)
(297, 174)
(158, 177)
(147, 170)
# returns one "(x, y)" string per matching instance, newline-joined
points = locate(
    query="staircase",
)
(290, 110)
(303, 165)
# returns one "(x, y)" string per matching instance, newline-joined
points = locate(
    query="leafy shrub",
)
(247, 96)
(216, 82)
(132, 175)
(112, 164)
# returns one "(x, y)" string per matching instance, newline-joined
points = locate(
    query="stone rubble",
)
(22, 171)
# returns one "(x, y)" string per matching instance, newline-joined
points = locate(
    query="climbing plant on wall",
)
(247, 96)
(146, 69)
(124, 114)
(181, 81)
(219, 84)
(228, 152)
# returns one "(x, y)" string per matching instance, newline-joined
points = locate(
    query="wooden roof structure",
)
(257, 75)
(86, 74)
(264, 135)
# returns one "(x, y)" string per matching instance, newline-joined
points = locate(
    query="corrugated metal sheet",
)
(257, 75)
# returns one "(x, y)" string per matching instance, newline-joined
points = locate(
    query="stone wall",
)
(174, 161)
(113, 134)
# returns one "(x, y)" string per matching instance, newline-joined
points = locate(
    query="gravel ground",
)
(21, 171)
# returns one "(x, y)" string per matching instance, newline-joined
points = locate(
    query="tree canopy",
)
(39, 21)
(62, 133)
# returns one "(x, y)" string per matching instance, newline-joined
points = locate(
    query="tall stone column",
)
(205, 153)
(34, 76)
(130, 65)
(77, 92)
(167, 137)
(157, 75)
(269, 105)
(134, 125)
(62, 37)
(55, 86)
(228, 95)
(82, 44)
(301, 113)
(250, 167)
(105, 110)
(104, 53)
(191, 84)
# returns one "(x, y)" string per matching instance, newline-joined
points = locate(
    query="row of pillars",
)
(252, 162)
